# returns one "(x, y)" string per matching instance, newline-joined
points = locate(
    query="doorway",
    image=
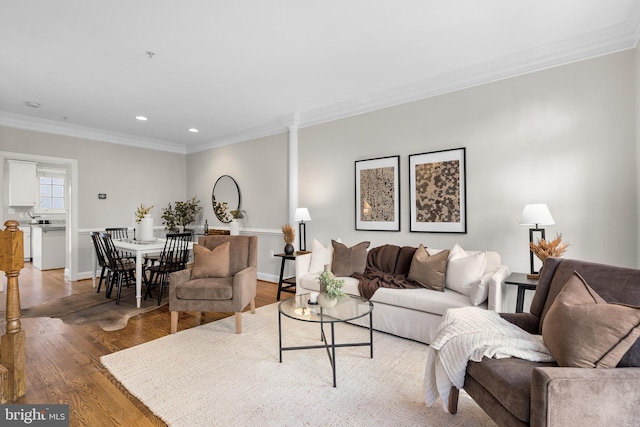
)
(71, 216)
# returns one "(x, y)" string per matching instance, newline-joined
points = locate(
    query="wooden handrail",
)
(12, 353)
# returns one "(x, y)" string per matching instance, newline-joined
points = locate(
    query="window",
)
(51, 191)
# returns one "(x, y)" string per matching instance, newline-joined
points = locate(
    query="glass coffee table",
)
(348, 308)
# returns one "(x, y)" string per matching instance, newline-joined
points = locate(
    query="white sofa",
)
(410, 313)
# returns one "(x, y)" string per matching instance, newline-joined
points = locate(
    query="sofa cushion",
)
(508, 380)
(463, 269)
(206, 289)
(347, 261)
(320, 256)
(428, 270)
(582, 330)
(210, 263)
(422, 299)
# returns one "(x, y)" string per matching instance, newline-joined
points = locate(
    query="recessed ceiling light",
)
(141, 118)
(194, 130)
(33, 104)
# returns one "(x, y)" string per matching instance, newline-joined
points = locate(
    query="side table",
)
(523, 283)
(286, 284)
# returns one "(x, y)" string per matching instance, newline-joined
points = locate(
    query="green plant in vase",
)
(170, 218)
(330, 289)
(237, 214)
(142, 211)
(187, 212)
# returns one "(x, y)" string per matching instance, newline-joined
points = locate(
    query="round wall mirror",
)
(225, 190)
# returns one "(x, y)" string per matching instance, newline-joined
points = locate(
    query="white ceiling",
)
(248, 68)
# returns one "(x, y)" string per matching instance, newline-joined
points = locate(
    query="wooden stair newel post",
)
(12, 354)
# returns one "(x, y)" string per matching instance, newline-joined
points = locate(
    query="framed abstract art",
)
(378, 194)
(438, 191)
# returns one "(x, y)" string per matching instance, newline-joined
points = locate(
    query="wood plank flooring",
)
(63, 361)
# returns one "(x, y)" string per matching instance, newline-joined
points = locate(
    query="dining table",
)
(140, 248)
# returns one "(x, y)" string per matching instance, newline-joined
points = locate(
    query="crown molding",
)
(261, 131)
(609, 40)
(598, 43)
(67, 129)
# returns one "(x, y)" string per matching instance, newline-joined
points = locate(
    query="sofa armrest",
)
(179, 277)
(244, 285)
(584, 396)
(525, 321)
(303, 263)
(496, 284)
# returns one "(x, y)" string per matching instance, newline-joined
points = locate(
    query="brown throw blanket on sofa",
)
(387, 267)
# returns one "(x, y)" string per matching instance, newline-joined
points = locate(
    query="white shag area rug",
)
(210, 376)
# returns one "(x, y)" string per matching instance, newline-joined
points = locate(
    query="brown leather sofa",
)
(515, 392)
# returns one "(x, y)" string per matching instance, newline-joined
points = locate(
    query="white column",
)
(292, 124)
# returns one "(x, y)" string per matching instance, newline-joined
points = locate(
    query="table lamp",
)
(536, 215)
(302, 215)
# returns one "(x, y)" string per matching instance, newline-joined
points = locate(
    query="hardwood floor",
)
(63, 361)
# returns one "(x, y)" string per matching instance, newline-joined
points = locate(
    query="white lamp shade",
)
(536, 214)
(302, 214)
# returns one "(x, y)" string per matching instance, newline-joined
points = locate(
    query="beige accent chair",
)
(231, 293)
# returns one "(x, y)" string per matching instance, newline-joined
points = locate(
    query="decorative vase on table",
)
(234, 227)
(146, 229)
(325, 302)
(288, 249)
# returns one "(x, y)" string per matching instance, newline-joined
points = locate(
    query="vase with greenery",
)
(169, 217)
(237, 214)
(142, 211)
(330, 289)
(289, 234)
(181, 214)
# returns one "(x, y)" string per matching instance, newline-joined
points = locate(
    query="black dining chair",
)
(122, 270)
(103, 263)
(121, 233)
(174, 257)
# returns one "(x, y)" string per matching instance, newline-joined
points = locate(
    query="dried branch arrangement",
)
(544, 249)
(289, 234)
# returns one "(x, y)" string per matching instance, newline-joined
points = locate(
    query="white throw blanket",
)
(469, 333)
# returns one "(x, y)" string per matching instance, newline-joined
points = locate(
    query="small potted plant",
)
(330, 289)
(142, 211)
(237, 214)
(187, 212)
(170, 218)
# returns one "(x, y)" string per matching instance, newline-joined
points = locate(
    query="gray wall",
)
(128, 175)
(565, 136)
(260, 169)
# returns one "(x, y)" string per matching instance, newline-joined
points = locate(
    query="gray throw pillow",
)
(582, 330)
(428, 270)
(347, 261)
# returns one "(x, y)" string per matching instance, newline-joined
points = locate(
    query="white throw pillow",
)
(479, 290)
(463, 270)
(320, 256)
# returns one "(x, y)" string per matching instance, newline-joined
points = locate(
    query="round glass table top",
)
(348, 308)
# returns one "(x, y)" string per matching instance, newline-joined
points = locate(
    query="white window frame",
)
(51, 173)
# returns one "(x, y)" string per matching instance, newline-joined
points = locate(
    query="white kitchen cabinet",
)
(48, 247)
(23, 185)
